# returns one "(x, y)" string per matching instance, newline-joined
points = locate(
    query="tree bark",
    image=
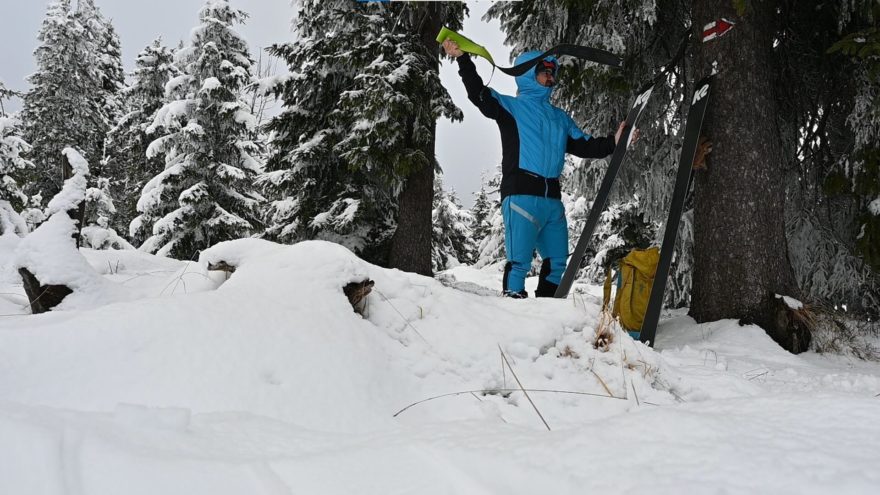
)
(740, 250)
(42, 298)
(411, 242)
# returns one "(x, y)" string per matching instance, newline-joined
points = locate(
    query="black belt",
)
(529, 183)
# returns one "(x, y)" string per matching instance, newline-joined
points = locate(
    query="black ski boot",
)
(545, 287)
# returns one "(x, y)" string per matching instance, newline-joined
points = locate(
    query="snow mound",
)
(50, 254)
(280, 339)
(273, 384)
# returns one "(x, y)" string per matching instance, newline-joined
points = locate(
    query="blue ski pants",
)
(534, 222)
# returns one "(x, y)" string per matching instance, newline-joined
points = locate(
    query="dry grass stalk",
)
(604, 385)
(604, 331)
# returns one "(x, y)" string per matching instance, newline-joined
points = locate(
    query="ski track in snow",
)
(268, 383)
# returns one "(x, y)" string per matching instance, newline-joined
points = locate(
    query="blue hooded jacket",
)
(535, 135)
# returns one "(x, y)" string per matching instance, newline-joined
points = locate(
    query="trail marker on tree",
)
(716, 29)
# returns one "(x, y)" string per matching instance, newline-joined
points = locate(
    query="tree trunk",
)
(411, 243)
(77, 214)
(740, 250)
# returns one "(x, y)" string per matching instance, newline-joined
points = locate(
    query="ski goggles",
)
(546, 67)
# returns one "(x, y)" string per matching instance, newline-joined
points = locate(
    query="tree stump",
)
(794, 327)
(42, 297)
(357, 293)
(221, 266)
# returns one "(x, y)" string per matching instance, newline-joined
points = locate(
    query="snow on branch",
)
(74, 190)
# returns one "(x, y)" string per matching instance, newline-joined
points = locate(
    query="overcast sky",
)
(465, 150)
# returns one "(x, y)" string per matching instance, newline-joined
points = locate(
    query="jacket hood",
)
(527, 84)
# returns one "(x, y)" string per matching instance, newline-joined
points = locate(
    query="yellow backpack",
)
(635, 278)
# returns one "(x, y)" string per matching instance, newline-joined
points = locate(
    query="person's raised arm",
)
(477, 92)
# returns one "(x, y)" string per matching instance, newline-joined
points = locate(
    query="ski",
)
(682, 182)
(577, 256)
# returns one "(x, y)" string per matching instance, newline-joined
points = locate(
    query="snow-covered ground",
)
(268, 383)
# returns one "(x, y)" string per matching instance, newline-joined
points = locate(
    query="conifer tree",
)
(205, 194)
(480, 213)
(72, 98)
(100, 210)
(126, 160)
(490, 248)
(361, 101)
(12, 169)
(452, 240)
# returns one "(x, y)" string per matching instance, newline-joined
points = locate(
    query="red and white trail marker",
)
(716, 29)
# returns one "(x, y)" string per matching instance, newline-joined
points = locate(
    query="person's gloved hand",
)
(633, 137)
(703, 148)
(452, 49)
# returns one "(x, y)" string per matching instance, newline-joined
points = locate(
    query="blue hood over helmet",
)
(542, 130)
(527, 84)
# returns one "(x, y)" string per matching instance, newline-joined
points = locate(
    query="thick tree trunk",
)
(411, 243)
(740, 250)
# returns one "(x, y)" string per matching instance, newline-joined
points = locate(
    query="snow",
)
(50, 254)
(243, 116)
(73, 192)
(874, 207)
(267, 85)
(175, 83)
(11, 223)
(266, 381)
(210, 84)
(168, 115)
(103, 238)
(791, 302)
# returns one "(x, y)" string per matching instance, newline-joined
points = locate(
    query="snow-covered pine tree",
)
(480, 213)
(314, 192)
(109, 64)
(360, 105)
(452, 241)
(834, 193)
(12, 169)
(126, 160)
(490, 249)
(71, 101)
(205, 194)
(863, 168)
(5, 94)
(621, 228)
(100, 210)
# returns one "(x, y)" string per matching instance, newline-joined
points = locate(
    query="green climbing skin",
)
(465, 44)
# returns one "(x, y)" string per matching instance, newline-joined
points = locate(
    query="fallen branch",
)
(522, 388)
(504, 391)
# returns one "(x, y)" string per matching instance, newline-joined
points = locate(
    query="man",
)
(535, 136)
